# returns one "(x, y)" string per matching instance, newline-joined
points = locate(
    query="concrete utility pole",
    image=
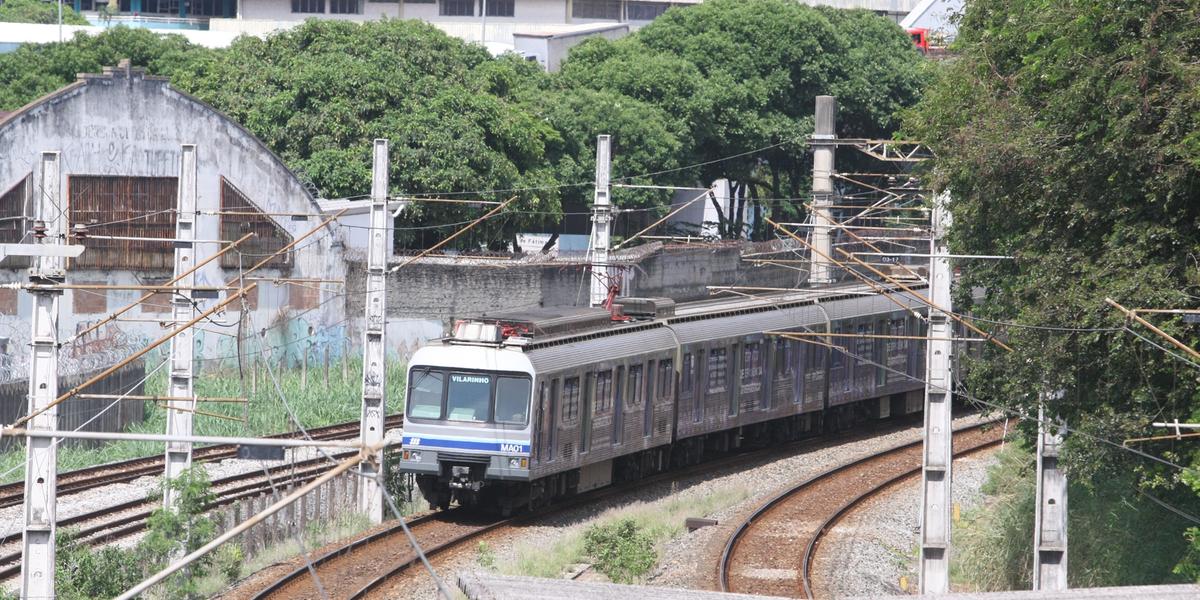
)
(601, 222)
(370, 495)
(936, 463)
(179, 418)
(41, 454)
(824, 134)
(1050, 520)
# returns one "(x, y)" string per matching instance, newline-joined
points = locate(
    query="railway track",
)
(115, 522)
(71, 482)
(373, 566)
(751, 561)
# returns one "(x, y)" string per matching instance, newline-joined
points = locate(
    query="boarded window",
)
(240, 216)
(13, 226)
(159, 302)
(89, 302)
(8, 302)
(137, 207)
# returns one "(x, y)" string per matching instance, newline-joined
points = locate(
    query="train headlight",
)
(414, 455)
(514, 463)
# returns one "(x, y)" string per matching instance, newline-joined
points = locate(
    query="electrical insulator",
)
(39, 229)
(80, 231)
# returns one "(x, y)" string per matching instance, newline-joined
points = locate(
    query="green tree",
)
(1068, 134)
(740, 75)
(38, 11)
(622, 551)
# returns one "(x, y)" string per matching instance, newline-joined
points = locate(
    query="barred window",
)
(689, 372)
(345, 7)
(500, 8)
(645, 11)
(14, 208)
(308, 6)
(240, 216)
(596, 9)
(783, 357)
(457, 8)
(127, 207)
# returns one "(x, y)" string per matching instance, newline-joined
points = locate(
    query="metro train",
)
(518, 409)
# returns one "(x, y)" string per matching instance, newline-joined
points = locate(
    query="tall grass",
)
(314, 405)
(1116, 537)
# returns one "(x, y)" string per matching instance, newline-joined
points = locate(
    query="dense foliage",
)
(697, 85)
(37, 11)
(621, 550)
(1069, 134)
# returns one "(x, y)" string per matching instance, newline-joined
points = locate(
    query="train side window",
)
(666, 378)
(604, 391)
(689, 369)
(697, 393)
(838, 358)
(635, 385)
(783, 357)
(570, 400)
(752, 363)
(718, 365)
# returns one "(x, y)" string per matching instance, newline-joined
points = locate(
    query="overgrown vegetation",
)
(697, 84)
(1115, 538)
(620, 550)
(1069, 135)
(84, 573)
(660, 522)
(37, 11)
(315, 404)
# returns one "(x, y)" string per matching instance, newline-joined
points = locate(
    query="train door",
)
(618, 426)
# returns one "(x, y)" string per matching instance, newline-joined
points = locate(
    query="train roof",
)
(541, 328)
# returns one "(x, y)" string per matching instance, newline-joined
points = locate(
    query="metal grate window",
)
(645, 11)
(500, 8)
(596, 9)
(308, 6)
(457, 8)
(14, 205)
(717, 370)
(570, 400)
(604, 391)
(240, 216)
(345, 7)
(135, 207)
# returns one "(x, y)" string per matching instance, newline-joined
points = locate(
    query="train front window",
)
(425, 394)
(512, 400)
(469, 397)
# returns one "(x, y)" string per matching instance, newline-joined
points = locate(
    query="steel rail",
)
(13, 494)
(723, 566)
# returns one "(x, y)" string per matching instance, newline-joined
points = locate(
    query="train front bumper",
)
(498, 467)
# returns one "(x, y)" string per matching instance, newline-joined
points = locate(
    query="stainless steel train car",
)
(518, 409)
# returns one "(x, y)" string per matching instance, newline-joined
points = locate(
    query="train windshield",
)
(469, 397)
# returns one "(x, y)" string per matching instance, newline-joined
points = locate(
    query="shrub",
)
(621, 550)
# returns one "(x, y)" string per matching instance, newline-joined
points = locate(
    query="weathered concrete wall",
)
(124, 123)
(425, 298)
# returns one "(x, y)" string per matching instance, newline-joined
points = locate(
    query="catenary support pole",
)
(374, 382)
(179, 415)
(936, 461)
(41, 455)
(824, 146)
(1050, 518)
(601, 222)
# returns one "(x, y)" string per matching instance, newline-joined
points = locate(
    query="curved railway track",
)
(13, 494)
(751, 561)
(373, 565)
(118, 521)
